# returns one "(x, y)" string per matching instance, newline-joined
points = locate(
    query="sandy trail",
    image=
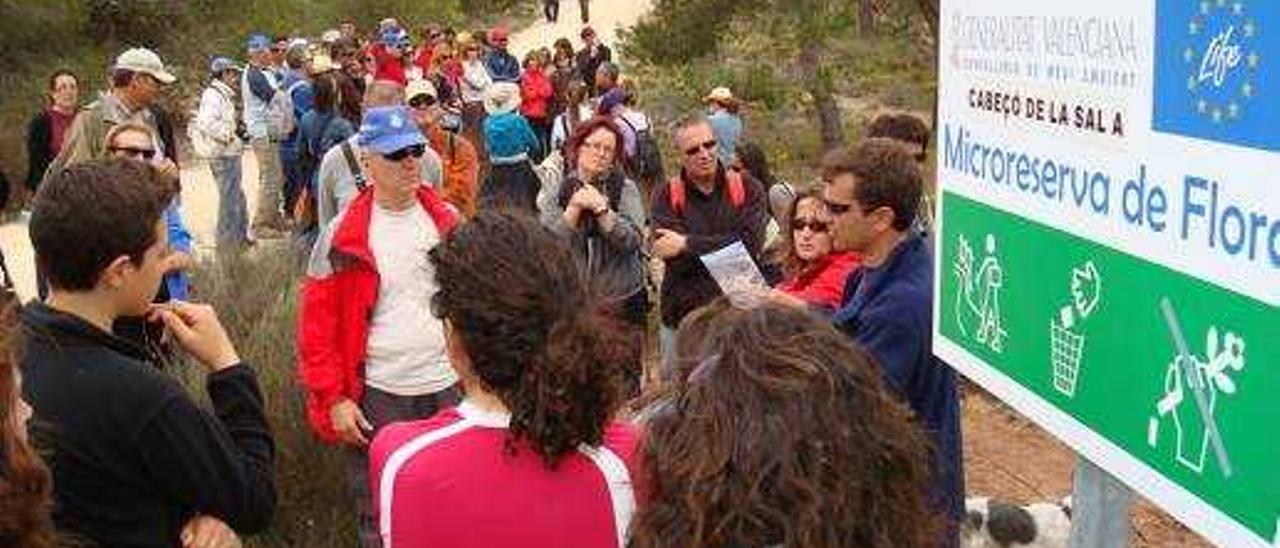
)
(200, 195)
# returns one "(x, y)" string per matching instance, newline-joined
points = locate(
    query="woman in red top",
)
(814, 274)
(532, 456)
(535, 97)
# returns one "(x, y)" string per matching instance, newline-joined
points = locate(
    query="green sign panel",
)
(1085, 328)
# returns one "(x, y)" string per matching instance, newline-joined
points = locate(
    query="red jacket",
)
(824, 285)
(388, 66)
(338, 298)
(535, 94)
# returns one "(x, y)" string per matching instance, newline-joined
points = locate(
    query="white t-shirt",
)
(406, 349)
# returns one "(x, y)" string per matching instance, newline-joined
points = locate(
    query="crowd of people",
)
(483, 238)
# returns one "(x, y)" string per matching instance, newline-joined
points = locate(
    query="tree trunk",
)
(866, 18)
(818, 84)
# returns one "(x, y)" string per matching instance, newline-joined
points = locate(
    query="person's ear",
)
(114, 275)
(882, 218)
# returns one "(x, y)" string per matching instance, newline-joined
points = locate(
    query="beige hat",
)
(720, 95)
(501, 98)
(321, 63)
(418, 87)
(145, 61)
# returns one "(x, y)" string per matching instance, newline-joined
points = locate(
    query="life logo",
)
(1216, 71)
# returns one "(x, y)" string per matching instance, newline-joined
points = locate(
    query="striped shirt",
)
(449, 481)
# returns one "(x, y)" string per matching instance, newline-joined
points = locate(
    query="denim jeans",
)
(233, 214)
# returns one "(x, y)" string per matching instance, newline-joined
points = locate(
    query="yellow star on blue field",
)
(1247, 90)
(1193, 28)
(1233, 111)
(1189, 54)
(1191, 83)
(1217, 115)
(1252, 60)
(1204, 8)
(1222, 3)
(1238, 8)
(1249, 29)
(1202, 106)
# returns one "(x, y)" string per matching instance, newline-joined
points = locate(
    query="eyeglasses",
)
(133, 152)
(422, 102)
(837, 208)
(599, 148)
(707, 146)
(814, 225)
(412, 150)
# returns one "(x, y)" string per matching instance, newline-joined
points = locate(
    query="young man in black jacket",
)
(135, 461)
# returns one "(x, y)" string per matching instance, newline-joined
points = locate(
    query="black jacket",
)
(708, 222)
(38, 152)
(587, 64)
(133, 457)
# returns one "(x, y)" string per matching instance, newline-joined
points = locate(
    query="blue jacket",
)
(889, 311)
(502, 66)
(177, 283)
(507, 137)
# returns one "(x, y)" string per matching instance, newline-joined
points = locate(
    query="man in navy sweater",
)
(873, 192)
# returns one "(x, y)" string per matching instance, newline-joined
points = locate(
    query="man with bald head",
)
(342, 174)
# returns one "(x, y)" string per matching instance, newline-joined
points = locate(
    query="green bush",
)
(256, 299)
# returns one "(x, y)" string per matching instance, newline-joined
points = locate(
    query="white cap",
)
(145, 61)
(330, 36)
(420, 86)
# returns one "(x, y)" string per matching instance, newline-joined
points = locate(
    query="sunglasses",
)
(707, 146)
(422, 102)
(814, 225)
(132, 152)
(412, 150)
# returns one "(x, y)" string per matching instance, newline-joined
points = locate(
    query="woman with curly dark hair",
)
(531, 456)
(26, 489)
(779, 433)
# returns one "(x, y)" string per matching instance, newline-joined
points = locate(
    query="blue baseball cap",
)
(220, 65)
(387, 129)
(258, 42)
(395, 37)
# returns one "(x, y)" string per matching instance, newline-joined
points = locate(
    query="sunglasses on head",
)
(813, 225)
(134, 152)
(422, 102)
(708, 146)
(412, 150)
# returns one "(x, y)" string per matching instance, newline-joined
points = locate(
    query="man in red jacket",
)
(370, 352)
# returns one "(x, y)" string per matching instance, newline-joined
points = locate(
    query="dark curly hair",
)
(520, 300)
(779, 431)
(25, 485)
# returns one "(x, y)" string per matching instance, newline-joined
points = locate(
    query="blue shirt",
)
(178, 283)
(508, 136)
(727, 127)
(502, 66)
(888, 310)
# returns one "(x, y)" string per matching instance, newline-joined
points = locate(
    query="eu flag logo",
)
(1216, 71)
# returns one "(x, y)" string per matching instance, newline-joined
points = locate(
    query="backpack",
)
(280, 118)
(676, 191)
(647, 163)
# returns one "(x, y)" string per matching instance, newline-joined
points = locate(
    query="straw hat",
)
(721, 95)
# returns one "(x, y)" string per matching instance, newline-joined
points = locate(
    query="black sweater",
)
(708, 222)
(133, 457)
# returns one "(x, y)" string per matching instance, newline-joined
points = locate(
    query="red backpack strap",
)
(737, 188)
(676, 195)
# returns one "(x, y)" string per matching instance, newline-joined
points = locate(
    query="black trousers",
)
(551, 9)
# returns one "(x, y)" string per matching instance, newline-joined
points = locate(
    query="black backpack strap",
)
(353, 165)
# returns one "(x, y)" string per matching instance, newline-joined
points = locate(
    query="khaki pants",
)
(269, 184)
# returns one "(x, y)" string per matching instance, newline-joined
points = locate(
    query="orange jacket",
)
(461, 168)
